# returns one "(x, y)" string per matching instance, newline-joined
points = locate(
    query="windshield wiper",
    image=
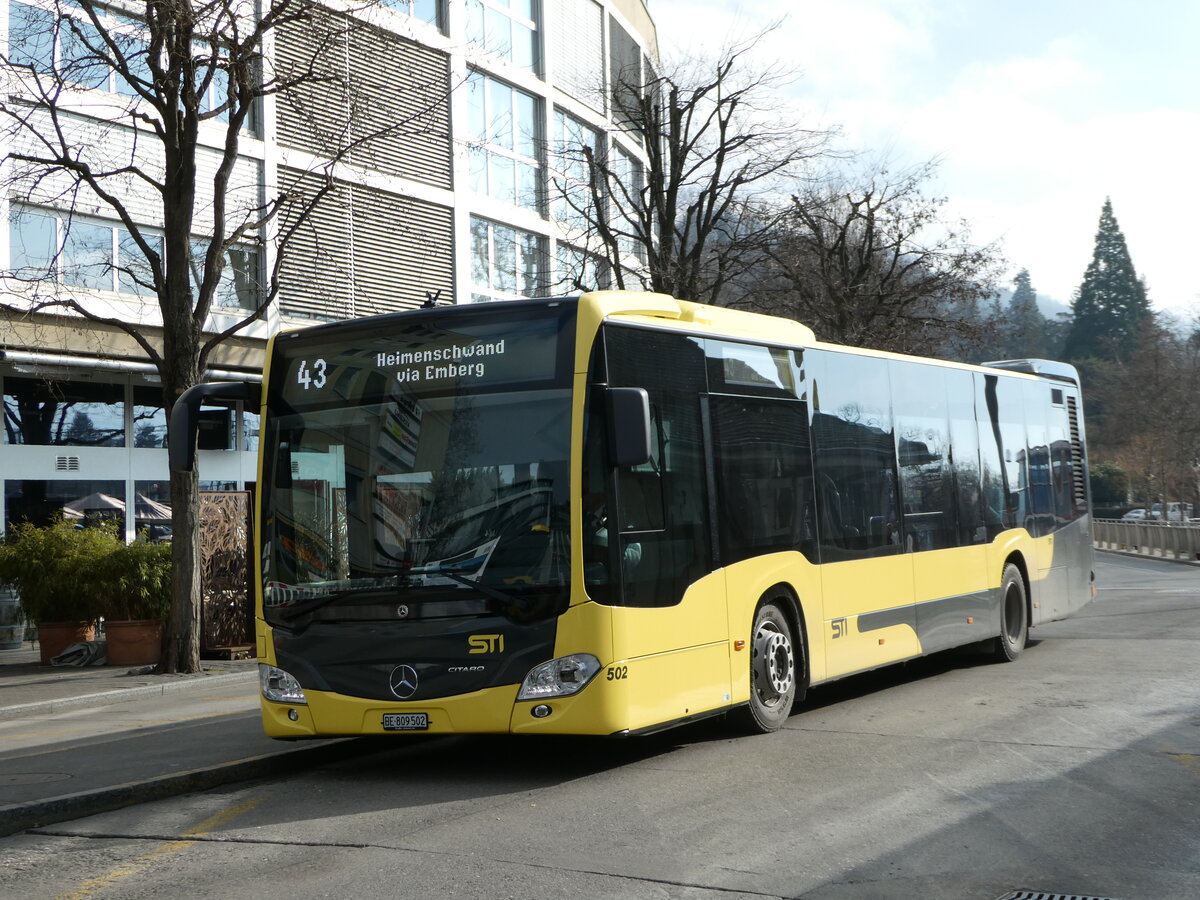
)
(300, 609)
(491, 593)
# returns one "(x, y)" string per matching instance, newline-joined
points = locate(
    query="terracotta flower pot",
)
(55, 637)
(134, 643)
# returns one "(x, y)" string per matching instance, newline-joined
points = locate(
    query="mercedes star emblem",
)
(403, 681)
(402, 611)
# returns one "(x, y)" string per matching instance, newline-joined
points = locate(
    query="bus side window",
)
(854, 452)
(926, 469)
(764, 477)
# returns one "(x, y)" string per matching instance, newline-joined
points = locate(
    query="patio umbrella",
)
(147, 510)
(95, 503)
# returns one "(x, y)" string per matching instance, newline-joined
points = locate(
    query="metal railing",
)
(1172, 540)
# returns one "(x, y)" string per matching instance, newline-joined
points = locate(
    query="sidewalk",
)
(80, 741)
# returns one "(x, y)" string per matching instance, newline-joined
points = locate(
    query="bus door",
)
(670, 624)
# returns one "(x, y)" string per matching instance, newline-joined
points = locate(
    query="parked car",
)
(1138, 515)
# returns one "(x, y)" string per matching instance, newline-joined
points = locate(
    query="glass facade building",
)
(465, 203)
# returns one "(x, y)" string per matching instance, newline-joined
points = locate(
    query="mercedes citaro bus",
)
(618, 512)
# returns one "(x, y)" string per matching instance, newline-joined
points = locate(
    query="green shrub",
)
(137, 582)
(56, 569)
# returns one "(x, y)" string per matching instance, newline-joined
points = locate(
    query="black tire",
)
(775, 666)
(1014, 616)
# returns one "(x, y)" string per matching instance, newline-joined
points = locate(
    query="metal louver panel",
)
(312, 51)
(364, 251)
(368, 97)
(403, 251)
(578, 51)
(315, 274)
(400, 103)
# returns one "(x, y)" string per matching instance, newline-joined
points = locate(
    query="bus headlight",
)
(280, 687)
(559, 677)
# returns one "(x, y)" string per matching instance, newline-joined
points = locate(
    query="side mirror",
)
(183, 424)
(628, 425)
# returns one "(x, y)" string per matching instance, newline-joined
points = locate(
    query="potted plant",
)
(136, 601)
(54, 571)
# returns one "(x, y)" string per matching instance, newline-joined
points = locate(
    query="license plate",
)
(405, 721)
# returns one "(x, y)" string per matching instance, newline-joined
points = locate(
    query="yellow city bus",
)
(619, 512)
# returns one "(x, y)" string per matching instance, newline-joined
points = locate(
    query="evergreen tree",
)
(1110, 307)
(1025, 326)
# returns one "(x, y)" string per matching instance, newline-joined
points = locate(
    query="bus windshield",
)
(420, 471)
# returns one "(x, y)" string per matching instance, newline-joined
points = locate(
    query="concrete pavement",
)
(79, 741)
(75, 742)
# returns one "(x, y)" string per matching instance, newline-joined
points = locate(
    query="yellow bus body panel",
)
(328, 714)
(857, 587)
(748, 582)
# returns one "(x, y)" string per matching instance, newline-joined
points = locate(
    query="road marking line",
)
(94, 885)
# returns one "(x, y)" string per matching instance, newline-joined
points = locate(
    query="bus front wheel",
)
(773, 671)
(1014, 616)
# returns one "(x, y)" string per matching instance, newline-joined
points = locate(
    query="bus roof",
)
(736, 323)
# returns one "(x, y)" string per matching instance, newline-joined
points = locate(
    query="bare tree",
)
(1156, 389)
(869, 260)
(141, 118)
(717, 142)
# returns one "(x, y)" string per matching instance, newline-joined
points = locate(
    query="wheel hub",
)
(773, 664)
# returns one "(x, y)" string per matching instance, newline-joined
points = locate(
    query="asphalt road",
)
(1074, 771)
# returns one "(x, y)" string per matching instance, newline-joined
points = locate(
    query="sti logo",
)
(486, 643)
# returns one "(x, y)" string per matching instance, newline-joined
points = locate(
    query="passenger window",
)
(965, 457)
(991, 454)
(923, 444)
(750, 369)
(854, 454)
(764, 477)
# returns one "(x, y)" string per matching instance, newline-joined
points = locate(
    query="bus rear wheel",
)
(774, 664)
(1014, 616)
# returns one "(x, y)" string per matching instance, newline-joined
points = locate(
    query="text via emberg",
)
(439, 363)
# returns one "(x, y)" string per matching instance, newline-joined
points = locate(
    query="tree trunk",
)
(183, 645)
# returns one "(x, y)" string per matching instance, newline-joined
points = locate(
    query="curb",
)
(122, 695)
(89, 803)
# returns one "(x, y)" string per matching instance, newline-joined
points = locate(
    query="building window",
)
(66, 45)
(238, 287)
(579, 270)
(506, 28)
(431, 11)
(571, 193)
(149, 417)
(89, 253)
(625, 193)
(59, 413)
(505, 263)
(31, 37)
(32, 243)
(503, 136)
(82, 502)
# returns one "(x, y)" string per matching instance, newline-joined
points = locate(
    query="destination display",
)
(458, 352)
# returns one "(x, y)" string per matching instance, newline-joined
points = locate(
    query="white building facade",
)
(458, 199)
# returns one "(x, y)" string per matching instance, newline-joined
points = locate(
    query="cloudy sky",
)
(1037, 109)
